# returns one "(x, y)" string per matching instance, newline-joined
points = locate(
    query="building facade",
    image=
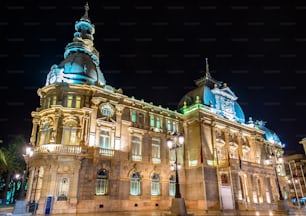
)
(96, 149)
(295, 181)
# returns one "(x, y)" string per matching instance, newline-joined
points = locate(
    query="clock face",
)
(107, 110)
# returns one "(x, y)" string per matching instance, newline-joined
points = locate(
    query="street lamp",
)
(174, 144)
(178, 206)
(20, 205)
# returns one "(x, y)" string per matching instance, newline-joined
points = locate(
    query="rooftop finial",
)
(206, 63)
(86, 7)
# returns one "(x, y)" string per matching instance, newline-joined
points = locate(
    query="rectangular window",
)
(172, 186)
(69, 136)
(48, 102)
(101, 186)
(174, 127)
(140, 118)
(155, 150)
(106, 111)
(169, 125)
(152, 121)
(69, 101)
(104, 141)
(136, 148)
(44, 136)
(77, 102)
(158, 122)
(133, 116)
(53, 100)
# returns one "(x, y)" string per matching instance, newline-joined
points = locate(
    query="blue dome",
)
(208, 97)
(269, 135)
(221, 100)
(81, 59)
(239, 113)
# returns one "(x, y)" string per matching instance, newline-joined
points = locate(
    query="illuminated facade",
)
(96, 149)
(295, 190)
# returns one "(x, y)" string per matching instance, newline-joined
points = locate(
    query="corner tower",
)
(81, 59)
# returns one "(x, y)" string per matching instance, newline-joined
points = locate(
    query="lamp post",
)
(174, 144)
(178, 207)
(20, 205)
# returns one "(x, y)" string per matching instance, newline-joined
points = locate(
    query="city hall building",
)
(96, 149)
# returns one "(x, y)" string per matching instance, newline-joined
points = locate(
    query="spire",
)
(207, 66)
(85, 16)
(81, 59)
(207, 74)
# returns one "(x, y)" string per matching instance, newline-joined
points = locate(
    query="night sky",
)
(154, 50)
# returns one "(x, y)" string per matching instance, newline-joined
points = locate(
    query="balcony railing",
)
(136, 157)
(155, 160)
(106, 152)
(58, 148)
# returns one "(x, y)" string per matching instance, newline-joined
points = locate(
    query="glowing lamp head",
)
(181, 139)
(17, 176)
(170, 143)
(267, 162)
(29, 150)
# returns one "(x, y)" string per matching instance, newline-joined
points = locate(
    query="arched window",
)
(135, 189)
(63, 189)
(155, 185)
(102, 182)
(172, 183)
(45, 133)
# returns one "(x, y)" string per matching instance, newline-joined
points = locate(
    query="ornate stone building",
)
(96, 149)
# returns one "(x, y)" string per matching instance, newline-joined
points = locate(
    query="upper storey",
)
(212, 93)
(221, 100)
(81, 59)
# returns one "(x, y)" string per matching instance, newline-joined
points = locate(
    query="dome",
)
(269, 135)
(81, 59)
(221, 100)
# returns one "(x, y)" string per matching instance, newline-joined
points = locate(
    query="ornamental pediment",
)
(225, 91)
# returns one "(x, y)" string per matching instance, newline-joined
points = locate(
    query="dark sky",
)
(154, 50)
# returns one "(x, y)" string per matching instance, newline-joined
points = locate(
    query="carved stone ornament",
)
(107, 109)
